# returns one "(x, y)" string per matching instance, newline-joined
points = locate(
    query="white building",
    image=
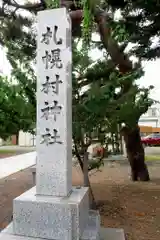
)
(26, 139)
(152, 117)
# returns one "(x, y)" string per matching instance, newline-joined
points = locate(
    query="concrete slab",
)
(112, 234)
(105, 234)
(92, 229)
(14, 164)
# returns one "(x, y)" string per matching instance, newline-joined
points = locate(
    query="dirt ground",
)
(135, 207)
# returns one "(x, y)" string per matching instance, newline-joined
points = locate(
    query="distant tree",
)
(14, 109)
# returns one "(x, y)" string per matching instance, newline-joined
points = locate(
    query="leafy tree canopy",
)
(15, 109)
(140, 19)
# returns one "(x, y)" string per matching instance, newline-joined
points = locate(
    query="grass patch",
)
(14, 151)
(3, 151)
(152, 157)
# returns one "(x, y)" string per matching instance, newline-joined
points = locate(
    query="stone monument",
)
(54, 209)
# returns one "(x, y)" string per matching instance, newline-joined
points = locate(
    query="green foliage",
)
(14, 109)
(12, 27)
(119, 32)
(87, 24)
(141, 20)
(52, 3)
(102, 104)
(21, 102)
(22, 62)
(107, 96)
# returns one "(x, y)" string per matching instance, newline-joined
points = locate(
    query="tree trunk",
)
(86, 181)
(17, 138)
(84, 167)
(85, 170)
(120, 140)
(135, 153)
(112, 142)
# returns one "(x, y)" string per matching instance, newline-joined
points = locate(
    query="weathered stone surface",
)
(105, 234)
(54, 103)
(112, 234)
(92, 229)
(51, 217)
(15, 237)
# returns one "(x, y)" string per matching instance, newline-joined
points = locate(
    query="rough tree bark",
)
(135, 153)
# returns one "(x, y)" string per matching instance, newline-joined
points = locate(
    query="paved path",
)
(17, 148)
(152, 151)
(16, 163)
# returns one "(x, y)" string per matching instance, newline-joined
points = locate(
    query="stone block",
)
(105, 234)
(15, 237)
(92, 229)
(61, 218)
(61, 182)
(7, 234)
(50, 220)
(112, 234)
(33, 171)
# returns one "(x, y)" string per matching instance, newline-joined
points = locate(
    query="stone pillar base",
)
(54, 218)
(105, 234)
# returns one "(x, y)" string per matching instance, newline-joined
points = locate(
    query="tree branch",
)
(76, 15)
(117, 55)
(78, 155)
(30, 7)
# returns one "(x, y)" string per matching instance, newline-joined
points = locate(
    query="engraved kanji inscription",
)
(47, 85)
(55, 86)
(52, 59)
(57, 42)
(51, 85)
(55, 110)
(49, 35)
(46, 37)
(51, 110)
(45, 110)
(50, 137)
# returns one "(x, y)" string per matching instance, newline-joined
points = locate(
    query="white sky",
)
(151, 77)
